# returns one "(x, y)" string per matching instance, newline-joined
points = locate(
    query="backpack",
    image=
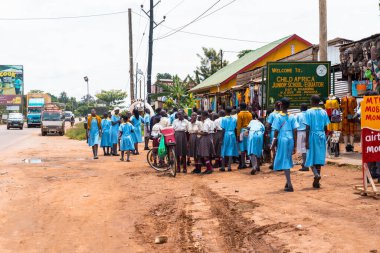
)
(336, 116)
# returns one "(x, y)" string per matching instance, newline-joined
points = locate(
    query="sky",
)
(58, 53)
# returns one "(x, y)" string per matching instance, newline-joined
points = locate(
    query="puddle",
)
(33, 160)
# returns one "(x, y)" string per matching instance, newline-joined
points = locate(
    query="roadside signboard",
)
(370, 124)
(11, 84)
(370, 118)
(297, 81)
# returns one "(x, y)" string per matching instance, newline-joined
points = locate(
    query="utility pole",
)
(137, 69)
(322, 30)
(152, 25)
(131, 72)
(221, 58)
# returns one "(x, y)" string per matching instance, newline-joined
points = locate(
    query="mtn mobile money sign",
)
(297, 81)
(370, 123)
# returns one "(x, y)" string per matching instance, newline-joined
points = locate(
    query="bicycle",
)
(166, 163)
(333, 143)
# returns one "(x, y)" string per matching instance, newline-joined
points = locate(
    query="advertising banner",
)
(370, 118)
(10, 99)
(11, 84)
(297, 81)
(359, 88)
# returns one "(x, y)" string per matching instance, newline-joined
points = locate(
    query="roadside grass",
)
(77, 132)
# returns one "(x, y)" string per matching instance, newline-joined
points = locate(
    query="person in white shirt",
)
(181, 127)
(164, 121)
(206, 148)
(194, 129)
(218, 137)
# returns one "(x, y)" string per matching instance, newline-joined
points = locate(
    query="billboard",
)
(11, 84)
(297, 81)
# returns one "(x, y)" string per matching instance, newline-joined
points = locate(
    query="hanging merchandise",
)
(359, 88)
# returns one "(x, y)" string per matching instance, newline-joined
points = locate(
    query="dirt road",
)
(71, 203)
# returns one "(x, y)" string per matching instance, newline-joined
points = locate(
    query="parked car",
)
(15, 120)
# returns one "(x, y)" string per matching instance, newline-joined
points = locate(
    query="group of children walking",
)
(223, 138)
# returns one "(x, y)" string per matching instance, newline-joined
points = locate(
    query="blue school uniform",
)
(93, 138)
(301, 120)
(270, 120)
(126, 141)
(316, 119)
(284, 124)
(115, 129)
(106, 133)
(229, 146)
(255, 138)
(137, 137)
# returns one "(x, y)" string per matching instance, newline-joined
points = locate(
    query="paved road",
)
(13, 137)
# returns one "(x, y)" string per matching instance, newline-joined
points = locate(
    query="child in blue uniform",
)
(105, 142)
(285, 139)
(301, 136)
(94, 131)
(255, 142)
(229, 145)
(316, 121)
(115, 122)
(270, 121)
(126, 142)
(137, 121)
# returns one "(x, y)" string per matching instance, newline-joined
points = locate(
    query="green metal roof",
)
(236, 66)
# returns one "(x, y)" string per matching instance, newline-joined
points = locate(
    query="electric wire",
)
(175, 7)
(191, 22)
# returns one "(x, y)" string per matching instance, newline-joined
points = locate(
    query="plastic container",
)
(168, 133)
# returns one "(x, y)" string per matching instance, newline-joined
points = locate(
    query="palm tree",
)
(176, 91)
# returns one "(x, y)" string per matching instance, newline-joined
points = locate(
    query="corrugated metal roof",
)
(236, 66)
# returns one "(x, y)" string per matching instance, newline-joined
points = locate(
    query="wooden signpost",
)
(370, 125)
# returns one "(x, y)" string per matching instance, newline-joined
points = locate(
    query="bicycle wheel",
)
(172, 161)
(155, 162)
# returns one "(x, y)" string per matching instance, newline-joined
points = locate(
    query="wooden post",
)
(131, 72)
(322, 30)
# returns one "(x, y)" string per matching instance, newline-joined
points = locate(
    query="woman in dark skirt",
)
(206, 148)
(218, 137)
(194, 128)
(181, 127)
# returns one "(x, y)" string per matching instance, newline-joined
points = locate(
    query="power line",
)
(175, 7)
(222, 7)
(212, 36)
(65, 17)
(191, 22)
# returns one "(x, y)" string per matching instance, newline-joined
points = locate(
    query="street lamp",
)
(88, 91)
(140, 72)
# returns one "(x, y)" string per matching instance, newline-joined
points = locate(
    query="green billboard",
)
(297, 81)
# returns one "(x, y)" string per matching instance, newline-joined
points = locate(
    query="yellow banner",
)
(370, 112)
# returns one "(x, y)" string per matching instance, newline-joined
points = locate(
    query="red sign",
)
(10, 99)
(370, 123)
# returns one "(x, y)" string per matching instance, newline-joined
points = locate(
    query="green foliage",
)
(210, 64)
(244, 52)
(63, 98)
(164, 76)
(54, 99)
(112, 97)
(77, 132)
(176, 93)
(36, 91)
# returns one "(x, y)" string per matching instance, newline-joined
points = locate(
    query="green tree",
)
(63, 98)
(112, 97)
(36, 91)
(54, 99)
(244, 52)
(164, 76)
(210, 64)
(176, 93)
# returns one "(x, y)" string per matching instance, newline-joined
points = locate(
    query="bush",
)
(77, 132)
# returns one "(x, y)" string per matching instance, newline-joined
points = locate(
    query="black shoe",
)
(196, 171)
(95, 157)
(304, 169)
(115, 154)
(316, 182)
(146, 148)
(258, 168)
(229, 170)
(188, 163)
(222, 169)
(271, 167)
(289, 189)
(253, 171)
(241, 167)
(207, 172)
